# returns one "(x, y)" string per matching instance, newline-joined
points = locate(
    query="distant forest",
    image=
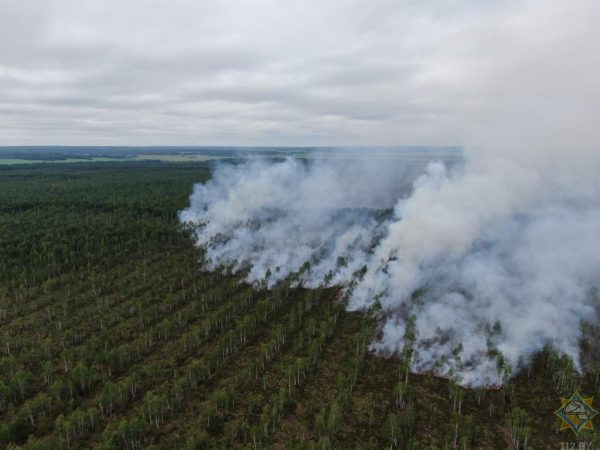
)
(56, 153)
(61, 153)
(112, 336)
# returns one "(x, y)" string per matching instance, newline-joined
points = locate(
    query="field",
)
(12, 161)
(112, 336)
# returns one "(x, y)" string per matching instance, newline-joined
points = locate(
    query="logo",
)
(576, 413)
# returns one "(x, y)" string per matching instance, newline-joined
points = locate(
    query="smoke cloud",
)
(501, 258)
(498, 253)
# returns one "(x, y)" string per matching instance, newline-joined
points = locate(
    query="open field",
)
(111, 336)
(178, 158)
(13, 161)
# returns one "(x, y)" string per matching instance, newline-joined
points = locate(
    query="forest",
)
(112, 336)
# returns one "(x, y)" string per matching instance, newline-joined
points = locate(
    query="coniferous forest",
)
(113, 337)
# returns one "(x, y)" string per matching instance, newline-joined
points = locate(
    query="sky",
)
(284, 72)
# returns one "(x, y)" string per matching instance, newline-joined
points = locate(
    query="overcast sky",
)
(282, 72)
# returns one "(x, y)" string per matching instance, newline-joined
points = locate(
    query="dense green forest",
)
(112, 336)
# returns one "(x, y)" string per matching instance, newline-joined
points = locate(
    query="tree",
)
(410, 337)
(21, 381)
(82, 377)
(5, 396)
(47, 370)
(393, 426)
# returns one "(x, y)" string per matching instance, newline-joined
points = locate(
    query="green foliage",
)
(112, 337)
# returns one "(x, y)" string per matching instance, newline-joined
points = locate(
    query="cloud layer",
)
(266, 72)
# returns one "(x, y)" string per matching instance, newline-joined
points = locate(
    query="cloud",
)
(277, 72)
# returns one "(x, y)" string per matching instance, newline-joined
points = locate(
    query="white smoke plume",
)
(497, 244)
(497, 253)
(278, 216)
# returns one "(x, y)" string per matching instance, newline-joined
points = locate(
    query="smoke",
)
(488, 259)
(495, 254)
(494, 245)
(285, 216)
